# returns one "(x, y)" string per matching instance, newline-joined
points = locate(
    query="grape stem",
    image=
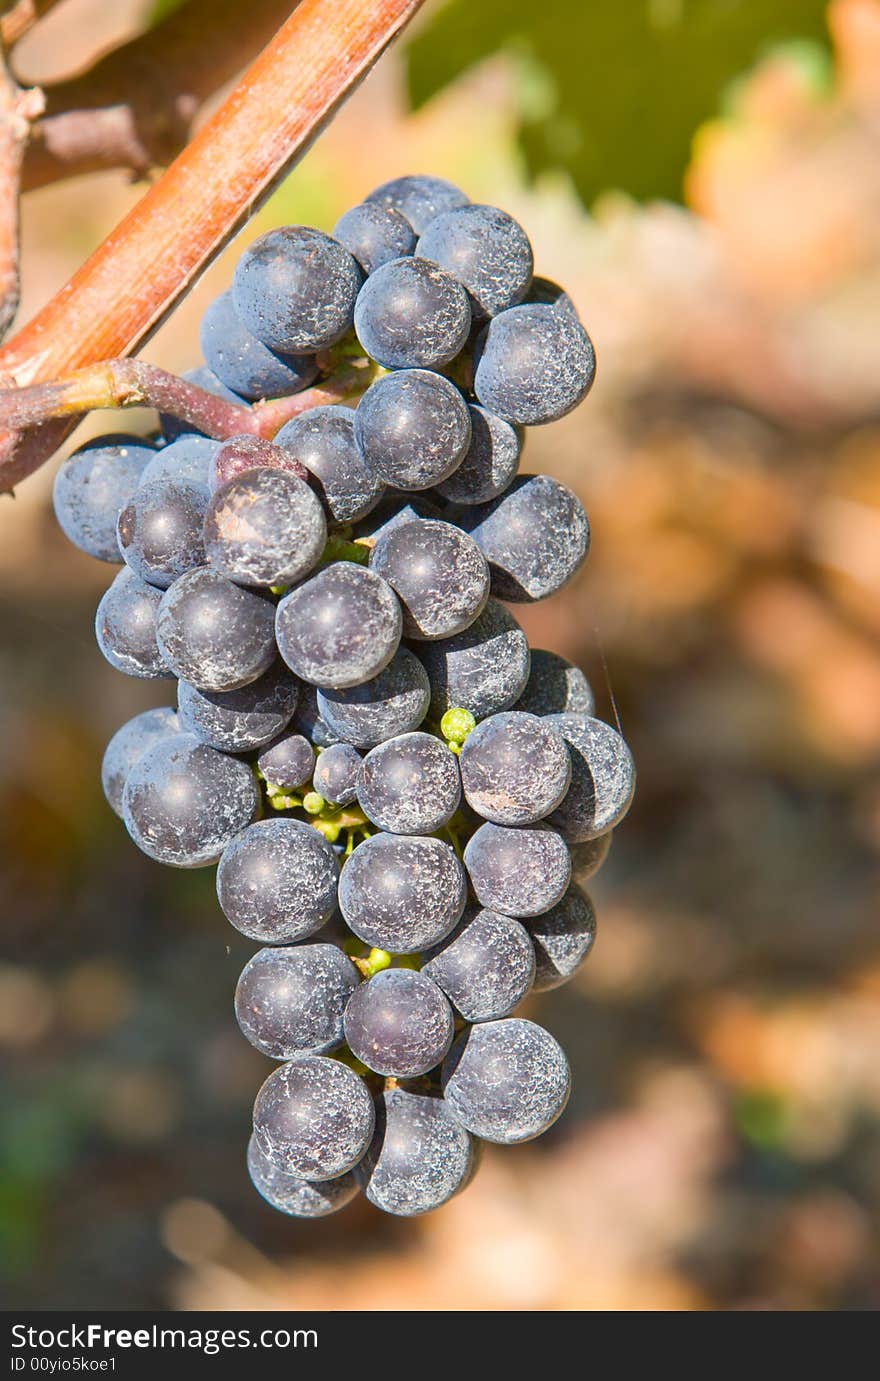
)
(375, 962)
(133, 383)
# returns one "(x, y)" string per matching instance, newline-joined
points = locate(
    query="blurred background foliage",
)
(722, 1149)
(611, 94)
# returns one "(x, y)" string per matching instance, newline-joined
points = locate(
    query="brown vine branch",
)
(134, 383)
(22, 16)
(125, 289)
(135, 106)
(17, 109)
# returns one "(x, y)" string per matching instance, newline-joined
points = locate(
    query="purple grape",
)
(339, 628)
(391, 703)
(534, 364)
(506, 1081)
(295, 1196)
(265, 528)
(295, 289)
(603, 777)
(214, 634)
(485, 967)
(374, 234)
(562, 937)
(420, 1156)
(402, 893)
(277, 881)
(548, 293)
(243, 362)
(490, 462)
(519, 872)
(125, 627)
(289, 1001)
(535, 538)
(313, 1118)
(439, 575)
(588, 856)
(399, 1024)
(183, 802)
(486, 250)
(308, 721)
(130, 743)
(239, 721)
(411, 314)
(160, 531)
(335, 775)
(413, 428)
(287, 762)
(410, 784)
(418, 198)
(323, 441)
(392, 511)
(483, 670)
(93, 486)
(184, 461)
(242, 453)
(515, 769)
(555, 686)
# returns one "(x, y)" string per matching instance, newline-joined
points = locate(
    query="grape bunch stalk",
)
(402, 801)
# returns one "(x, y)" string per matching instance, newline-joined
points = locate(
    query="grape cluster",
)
(402, 801)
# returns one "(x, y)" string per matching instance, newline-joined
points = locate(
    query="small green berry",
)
(376, 961)
(456, 724)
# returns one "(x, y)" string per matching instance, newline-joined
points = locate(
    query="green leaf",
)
(161, 9)
(611, 91)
